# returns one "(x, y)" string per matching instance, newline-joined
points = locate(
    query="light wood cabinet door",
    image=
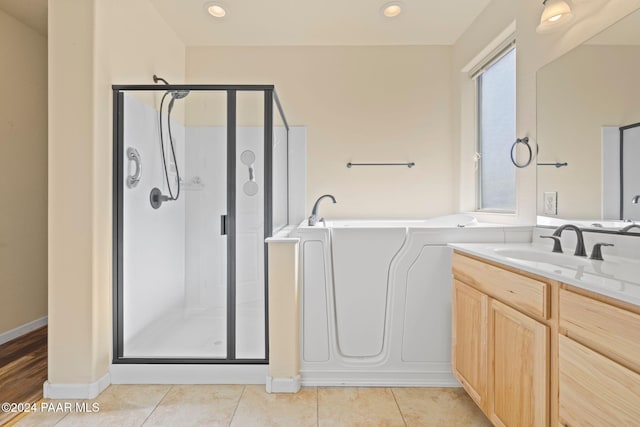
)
(519, 368)
(595, 391)
(469, 341)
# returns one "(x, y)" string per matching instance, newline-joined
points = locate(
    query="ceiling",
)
(328, 22)
(297, 22)
(30, 12)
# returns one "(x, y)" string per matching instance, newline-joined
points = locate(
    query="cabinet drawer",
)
(524, 293)
(610, 330)
(595, 391)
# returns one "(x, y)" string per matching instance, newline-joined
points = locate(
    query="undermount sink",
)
(533, 255)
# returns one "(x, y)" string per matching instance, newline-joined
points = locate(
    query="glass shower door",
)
(206, 251)
(174, 256)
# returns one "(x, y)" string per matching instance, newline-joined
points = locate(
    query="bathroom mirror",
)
(584, 98)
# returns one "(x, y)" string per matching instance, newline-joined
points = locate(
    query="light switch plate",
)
(551, 203)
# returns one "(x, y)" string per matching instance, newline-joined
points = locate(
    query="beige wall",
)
(590, 87)
(359, 104)
(23, 184)
(284, 309)
(533, 51)
(70, 191)
(92, 45)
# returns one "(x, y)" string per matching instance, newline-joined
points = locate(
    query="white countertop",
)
(615, 277)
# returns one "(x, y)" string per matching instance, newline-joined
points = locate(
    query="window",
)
(496, 118)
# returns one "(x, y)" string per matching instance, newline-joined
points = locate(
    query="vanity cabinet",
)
(500, 353)
(532, 351)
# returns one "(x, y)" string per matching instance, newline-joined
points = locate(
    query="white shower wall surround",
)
(206, 248)
(376, 299)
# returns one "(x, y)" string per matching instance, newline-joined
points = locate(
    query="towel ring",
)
(524, 141)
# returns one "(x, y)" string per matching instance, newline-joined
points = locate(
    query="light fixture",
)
(555, 14)
(391, 9)
(216, 9)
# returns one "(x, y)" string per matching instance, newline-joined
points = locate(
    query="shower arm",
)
(156, 79)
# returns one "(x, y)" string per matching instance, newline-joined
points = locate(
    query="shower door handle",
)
(223, 225)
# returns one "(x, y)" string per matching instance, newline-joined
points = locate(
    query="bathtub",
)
(376, 298)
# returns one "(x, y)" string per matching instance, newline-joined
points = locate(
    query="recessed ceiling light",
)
(217, 10)
(392, 9)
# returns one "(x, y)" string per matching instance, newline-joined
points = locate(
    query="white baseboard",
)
(76, 391)
(188, 374)
(325, 382)
(23, 329)
(378, 379)
(283, 385)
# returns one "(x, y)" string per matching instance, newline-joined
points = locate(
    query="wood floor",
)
(23, 369)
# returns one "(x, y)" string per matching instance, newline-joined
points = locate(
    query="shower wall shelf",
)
(407, 164)
(194, 184)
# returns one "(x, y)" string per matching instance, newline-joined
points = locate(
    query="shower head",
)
(179, 94)
(175, 94)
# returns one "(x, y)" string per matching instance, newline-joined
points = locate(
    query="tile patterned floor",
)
(251, 406)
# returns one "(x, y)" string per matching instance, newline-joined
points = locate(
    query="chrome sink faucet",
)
(580, 249)
(313, 219)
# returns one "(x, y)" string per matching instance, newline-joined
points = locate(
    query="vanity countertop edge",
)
(607, 285)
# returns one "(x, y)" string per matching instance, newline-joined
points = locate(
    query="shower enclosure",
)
(200, 180)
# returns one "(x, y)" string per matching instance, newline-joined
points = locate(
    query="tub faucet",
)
(580, 250)
(313, 219)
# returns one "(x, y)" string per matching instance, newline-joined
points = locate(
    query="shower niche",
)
(212, 182)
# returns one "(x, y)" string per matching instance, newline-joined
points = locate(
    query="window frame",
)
(503, 49)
